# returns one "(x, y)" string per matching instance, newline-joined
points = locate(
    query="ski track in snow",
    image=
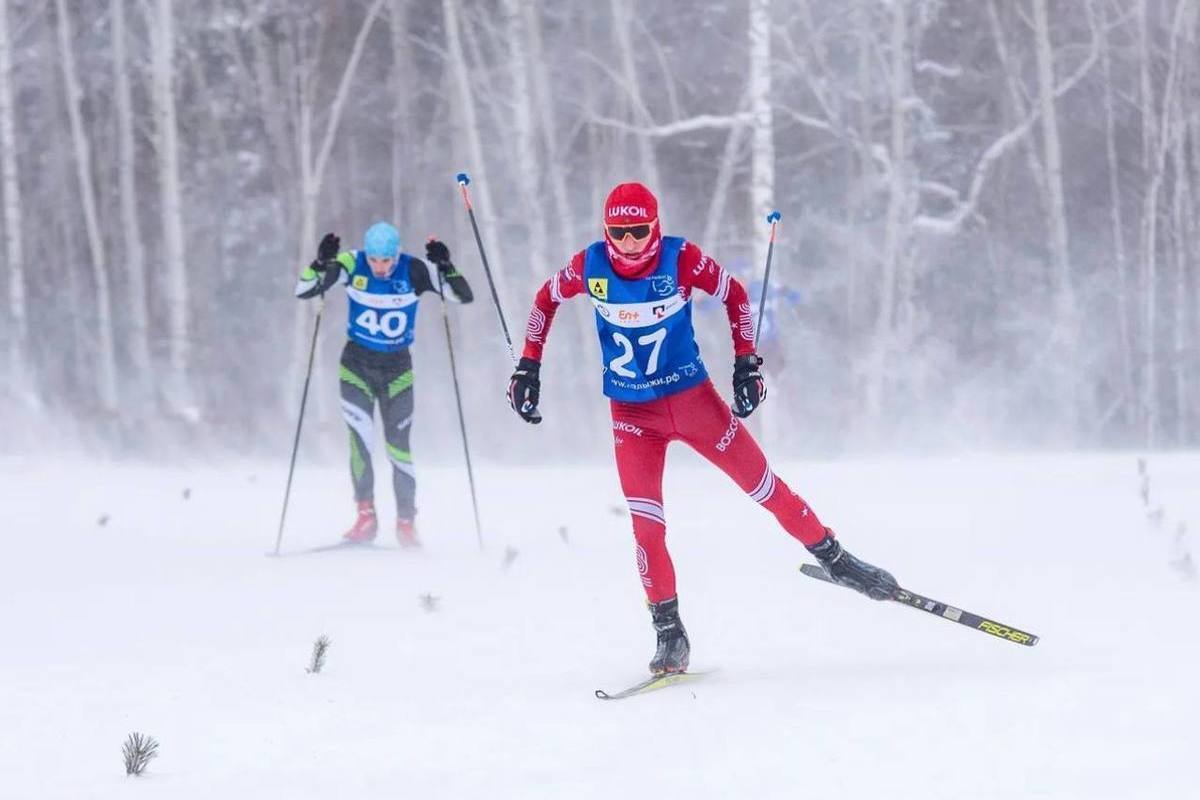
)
(169, 620)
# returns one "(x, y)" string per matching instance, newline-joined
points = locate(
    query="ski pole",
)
(462, 423)
(312, 351)
(772, 220)
(463, 180)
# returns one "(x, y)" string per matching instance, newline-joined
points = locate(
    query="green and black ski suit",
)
(376, 366)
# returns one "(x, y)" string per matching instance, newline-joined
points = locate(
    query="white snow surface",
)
(169, 619)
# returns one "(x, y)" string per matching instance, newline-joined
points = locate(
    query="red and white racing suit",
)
(697, 416)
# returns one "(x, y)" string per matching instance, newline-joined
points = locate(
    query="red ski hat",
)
(632, 205)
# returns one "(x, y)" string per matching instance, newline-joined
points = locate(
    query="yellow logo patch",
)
(1004, 632)
(359, 282)
(598, 288)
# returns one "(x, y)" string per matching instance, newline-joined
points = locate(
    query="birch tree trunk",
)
(105, 365)
(177, 383)
(1148, 389)
(1162, 127)
(623, 30)
(1128, 401)
(402, 72)
(723, 182)
(862, 262)
(313, 166)
(899, 212)
(134, 254)
(524, 134)
(469, 122)
(1193, 238)
(544, 103)
(401, 122)
(762, 152)
(1066, 323)
(1181, 208)
(14, 256)
(58, 206)
(306, 240)
(275, 98)
(1183, 223)
(599, 140)
(762, 167)
(304, 151)
(1016, 97)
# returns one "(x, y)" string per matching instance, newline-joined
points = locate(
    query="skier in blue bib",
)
(383, 286)
(641, 284)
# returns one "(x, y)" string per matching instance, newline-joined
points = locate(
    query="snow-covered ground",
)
(168, 619)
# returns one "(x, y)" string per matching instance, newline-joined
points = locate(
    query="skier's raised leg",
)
(708, 425)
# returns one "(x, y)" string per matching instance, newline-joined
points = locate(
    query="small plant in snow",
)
(138, 750)
(429, 602)
(320, 646)
(510, 555)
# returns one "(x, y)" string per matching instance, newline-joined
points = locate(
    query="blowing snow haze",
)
(989, 230)
(980, 358)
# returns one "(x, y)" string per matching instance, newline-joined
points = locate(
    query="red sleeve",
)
(698, 271)
(565, 283)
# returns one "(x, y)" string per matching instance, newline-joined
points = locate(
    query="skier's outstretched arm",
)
(438, 254)
(699, 271)
(525, 386)
(418, 276)
(327, 268)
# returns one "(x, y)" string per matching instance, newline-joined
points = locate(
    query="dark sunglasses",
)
(617, 232)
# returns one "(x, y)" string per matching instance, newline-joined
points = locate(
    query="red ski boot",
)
(406, 534)
(364, 527)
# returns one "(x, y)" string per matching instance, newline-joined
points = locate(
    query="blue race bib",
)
(645, 327)
(383, 311)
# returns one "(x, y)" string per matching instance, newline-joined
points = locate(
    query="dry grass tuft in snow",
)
(138, 751)
(320, 647)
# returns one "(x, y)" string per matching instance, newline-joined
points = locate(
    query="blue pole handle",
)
(774, 216)
(463, 178)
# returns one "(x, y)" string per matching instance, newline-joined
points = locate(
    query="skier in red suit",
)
(641, 283)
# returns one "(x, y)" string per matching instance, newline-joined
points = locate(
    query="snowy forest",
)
(990, 233)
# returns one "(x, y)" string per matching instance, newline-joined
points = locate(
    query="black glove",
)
(328, 249)
(748, 388)
(524, 388)
(437, 253)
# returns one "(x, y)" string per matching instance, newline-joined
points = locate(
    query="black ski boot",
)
(845, 569)
(673, 648)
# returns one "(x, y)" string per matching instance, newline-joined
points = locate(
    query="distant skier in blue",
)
(383, 285)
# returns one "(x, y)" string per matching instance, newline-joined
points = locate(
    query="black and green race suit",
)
(368, 377)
